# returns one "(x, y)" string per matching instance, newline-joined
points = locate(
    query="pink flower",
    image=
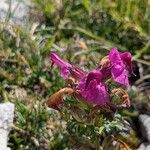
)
(120, 64)
(126, 58)
(93, 90)
(66, 68)
(117, 65)
(77, 73)
(91, 87)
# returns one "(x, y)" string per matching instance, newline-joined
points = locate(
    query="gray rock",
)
(6, 120)
(17, 10)
(145, 126)
(144, 146)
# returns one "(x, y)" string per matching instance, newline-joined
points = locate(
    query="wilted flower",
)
(56, 100)
(124, 98)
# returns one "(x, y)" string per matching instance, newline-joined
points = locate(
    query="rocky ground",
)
(15, 10)
(18, 12)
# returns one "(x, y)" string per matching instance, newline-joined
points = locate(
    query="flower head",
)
(92, 89)
(126, 58)
(66, 68)
(120, 62)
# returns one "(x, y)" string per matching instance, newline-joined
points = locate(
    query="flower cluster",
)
(92, 86)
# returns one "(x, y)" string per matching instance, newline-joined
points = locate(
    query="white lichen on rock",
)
(6, 120)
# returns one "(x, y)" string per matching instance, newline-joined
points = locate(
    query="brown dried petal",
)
(82, 45)
(105, 62)
(122, 144)
(56, 100)
(113, 143)
(70, 81)
(124, 98)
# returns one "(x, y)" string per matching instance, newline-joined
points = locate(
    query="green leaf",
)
(49, 45)
(101, 129)
(86, 4)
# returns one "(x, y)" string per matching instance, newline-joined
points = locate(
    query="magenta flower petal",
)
(64, 66)
(64, 72)
(92, 89)
(106, 73)
(95, 93)
(127, 57)
(77, 73)
(55, 59)
(118, 70)
(84, 82)
(119, 74)
(97, 75)
(81, 85)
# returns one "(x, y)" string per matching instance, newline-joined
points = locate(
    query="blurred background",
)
(82, 32)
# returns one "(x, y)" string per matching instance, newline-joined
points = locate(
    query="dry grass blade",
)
(26, 133)
(113, 143)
